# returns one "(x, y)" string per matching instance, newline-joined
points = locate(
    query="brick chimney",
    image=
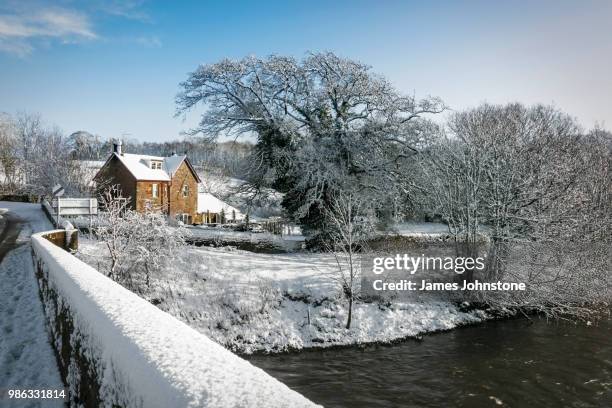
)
(117, 147)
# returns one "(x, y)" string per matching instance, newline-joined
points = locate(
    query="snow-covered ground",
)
(137, 354)
(252, 302)
(26, 357)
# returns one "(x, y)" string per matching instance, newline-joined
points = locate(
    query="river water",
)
(511, 363)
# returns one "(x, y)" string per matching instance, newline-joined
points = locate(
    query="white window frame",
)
(185, 190)
(156, 165)
(184, 218)
(155, 190)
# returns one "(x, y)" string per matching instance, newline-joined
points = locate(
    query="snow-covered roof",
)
(208, 202)
(140, 166)
(172, 163)
(92, 164)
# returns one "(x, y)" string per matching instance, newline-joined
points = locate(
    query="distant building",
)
(89, 169)
(166, 184)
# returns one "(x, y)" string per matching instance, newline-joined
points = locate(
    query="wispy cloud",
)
(130, 9)
(19, 31)
(17, 47)
(151, 41)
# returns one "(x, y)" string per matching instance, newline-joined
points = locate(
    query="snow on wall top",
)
(208, 202)
(162, 362)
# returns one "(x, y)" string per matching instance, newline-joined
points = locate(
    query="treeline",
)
(227, 157)
(35, 156)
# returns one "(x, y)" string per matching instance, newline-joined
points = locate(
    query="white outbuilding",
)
(213, 210)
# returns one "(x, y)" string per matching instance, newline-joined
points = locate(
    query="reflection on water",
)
(516, 363)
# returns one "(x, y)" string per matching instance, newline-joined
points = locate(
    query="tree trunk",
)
(350, 312)
(112, 268)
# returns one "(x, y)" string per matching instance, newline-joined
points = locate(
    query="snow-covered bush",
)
(269, 295)
(138, 244)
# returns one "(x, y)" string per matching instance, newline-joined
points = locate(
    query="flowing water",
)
(512, 363)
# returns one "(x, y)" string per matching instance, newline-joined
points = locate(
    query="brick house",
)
(153, 183)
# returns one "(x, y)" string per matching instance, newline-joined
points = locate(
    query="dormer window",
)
(156, 164)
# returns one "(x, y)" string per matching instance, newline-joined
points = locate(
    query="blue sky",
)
(113, 67)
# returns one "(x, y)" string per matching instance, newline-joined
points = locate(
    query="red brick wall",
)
(115, 173)
(178, 203)
(144, 193)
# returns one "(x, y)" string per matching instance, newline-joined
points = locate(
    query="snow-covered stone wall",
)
(116, 349)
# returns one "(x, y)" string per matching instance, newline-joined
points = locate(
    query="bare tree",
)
(154, 243)
(350, 224)
(315, 120)
(518, 176)
(111, 227)
(29, 131)
(34, 157)
(8, 153)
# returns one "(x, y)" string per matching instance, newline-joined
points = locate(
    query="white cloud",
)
(19, 31)
(67, 23)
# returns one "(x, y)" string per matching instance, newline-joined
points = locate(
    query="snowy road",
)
(10, 227)
(26, 357)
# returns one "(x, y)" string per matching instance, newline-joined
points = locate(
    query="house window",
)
(184, 218)
(156, 165)
(154, 190)
(185, 190)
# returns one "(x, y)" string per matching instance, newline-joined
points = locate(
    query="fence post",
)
(57, 223)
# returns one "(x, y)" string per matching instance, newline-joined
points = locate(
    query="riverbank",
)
(266, 303)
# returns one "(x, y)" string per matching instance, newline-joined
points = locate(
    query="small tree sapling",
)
(349, 223)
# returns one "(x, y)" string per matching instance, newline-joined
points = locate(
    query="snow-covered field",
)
(26, 357)
(253, 302)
